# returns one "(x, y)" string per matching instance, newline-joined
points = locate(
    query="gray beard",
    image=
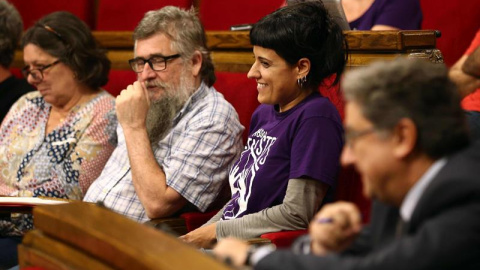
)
(162, 112)
(160, 117)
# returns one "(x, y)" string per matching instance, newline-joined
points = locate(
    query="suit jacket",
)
(443, 233)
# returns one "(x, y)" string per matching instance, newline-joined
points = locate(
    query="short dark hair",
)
(11, 27)
(185, 31)
(72, 42)
(304, 30)
(414, 89)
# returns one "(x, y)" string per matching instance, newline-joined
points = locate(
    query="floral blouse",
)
(60, 164)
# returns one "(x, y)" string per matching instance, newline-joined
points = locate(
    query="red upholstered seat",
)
(16, 72)
(241, 92)
(458, 22)
(194, 220)
(32, 10)
(221, 14)
(119, 80)
(333, 94)
(283, 239)
(124, 15)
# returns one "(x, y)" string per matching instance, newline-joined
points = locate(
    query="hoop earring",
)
(301, 81)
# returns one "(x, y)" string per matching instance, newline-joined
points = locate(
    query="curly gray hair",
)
(416, 89)
(185, 31)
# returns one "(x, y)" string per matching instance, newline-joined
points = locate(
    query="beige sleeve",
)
(302, 200)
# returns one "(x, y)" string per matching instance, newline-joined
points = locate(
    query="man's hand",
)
(132, 106)
(232, 250)
(203, 237)
(335, 227)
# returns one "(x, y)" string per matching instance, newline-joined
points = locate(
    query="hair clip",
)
(51, 30)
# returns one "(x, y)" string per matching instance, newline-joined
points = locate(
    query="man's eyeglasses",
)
(37, 73)
(352, 135)
(157, 63)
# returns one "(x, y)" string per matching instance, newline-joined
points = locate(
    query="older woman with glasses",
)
(55, 142)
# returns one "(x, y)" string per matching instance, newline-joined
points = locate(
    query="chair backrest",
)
(119, 80)
(32, 10)
(86, 236)
(458, 22)
(241, 92)
(124, 15)
(221, 14)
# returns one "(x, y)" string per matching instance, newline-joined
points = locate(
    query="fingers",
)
(232, 250)
(335, 226)
(132, 106)
(341, 214)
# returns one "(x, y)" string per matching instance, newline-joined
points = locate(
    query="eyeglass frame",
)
(351, 135)
(164, 60)
(27, 71)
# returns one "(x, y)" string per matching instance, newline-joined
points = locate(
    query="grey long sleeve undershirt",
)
(302, 200)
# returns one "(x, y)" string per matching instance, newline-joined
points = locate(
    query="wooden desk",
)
(86, 236)
(231, 51)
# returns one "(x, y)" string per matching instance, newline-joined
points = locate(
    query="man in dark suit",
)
(406, 135)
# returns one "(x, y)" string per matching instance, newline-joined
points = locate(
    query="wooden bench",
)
(232, 52)
(86, 236)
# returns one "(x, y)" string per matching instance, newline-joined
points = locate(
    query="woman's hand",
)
(203, 237)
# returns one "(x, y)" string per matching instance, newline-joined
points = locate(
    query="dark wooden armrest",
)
(258, 241)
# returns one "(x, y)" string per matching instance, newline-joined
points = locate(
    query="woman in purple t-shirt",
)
(383, 14)
(291, 160)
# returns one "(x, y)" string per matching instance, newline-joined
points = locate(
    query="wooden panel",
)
(232, 52)
(116, 240)
(39, 250)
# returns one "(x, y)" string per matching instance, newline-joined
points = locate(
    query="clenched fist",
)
(132, 106)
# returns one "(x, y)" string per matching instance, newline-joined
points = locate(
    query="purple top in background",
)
(305, 141)
(402, 14)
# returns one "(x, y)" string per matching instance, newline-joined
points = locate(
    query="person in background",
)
(177, 135)
(383, 14)
(290, 163)
(406, 134)
(55, 141)
(466, 74)
(11, 88)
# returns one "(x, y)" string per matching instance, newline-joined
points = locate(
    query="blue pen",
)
(324, 220)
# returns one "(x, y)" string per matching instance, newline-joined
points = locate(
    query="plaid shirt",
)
(195, 155)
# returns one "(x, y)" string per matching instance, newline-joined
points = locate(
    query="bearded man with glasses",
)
(177, 134)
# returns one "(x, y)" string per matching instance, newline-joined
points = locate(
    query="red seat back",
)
(119, 80)
(114, 15)
(241, 92)
(221, 14)
(32, 10)
(457, 20)
(194, 220)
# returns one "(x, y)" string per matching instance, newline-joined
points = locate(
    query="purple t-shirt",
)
(402, 14)
(305, 141)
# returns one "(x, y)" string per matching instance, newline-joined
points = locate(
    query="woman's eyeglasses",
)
(37, 73)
